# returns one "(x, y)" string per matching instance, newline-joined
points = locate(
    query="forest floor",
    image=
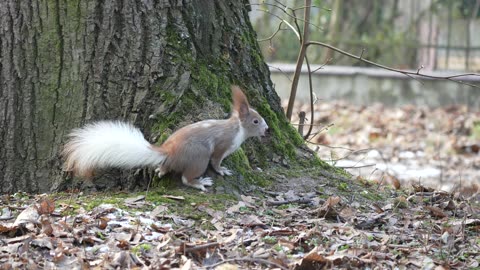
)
(438, 148)
(379, 220)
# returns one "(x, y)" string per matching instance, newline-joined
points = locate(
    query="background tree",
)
(158, 64)
(438, 34)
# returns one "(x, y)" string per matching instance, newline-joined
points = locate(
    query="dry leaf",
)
(30, 214)
(251, 221)
(178, 198)
(46, 206)
(436, 212)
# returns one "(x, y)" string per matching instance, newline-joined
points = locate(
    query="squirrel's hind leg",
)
(199, 183)
(161, 171)
(192, 175)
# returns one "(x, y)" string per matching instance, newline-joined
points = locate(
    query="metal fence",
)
(435, 34)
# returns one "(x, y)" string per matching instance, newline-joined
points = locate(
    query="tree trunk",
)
(156, 63)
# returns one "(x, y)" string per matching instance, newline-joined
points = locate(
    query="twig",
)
(280, 3)
(411, 74)
(313, 6)
(332, 147)
(283, 21)
(272, 193)
(301, 123)
(201, 247)
(356, 167)
(361, 151)
(274, 33)
(310, 87)
(315, 125)
(284, 10)
(299, 201)
(279, 69)
(245, 259)
(274, 15)
(329, 60)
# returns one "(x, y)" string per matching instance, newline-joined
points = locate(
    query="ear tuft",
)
(240, 102)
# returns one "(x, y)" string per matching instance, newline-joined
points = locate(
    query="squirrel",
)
(188, 151)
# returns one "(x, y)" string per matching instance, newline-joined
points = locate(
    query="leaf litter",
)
(408, 230)
(322, 225)
(433, 147)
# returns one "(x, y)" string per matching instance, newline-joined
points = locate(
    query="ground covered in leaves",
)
(383, 219)
(435, 147)
(413, 229)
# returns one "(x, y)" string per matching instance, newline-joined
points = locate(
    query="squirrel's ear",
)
(240, 102)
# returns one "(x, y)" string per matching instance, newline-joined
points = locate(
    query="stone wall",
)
(365, 86)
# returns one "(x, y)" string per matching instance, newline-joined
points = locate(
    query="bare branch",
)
(279, 69)
(312, 6)
(293, 16)
(295, 20)
(310, 86)
(410, 74)
(280, 3)
(361, 55)
(324, 64)
(301, 56)
(274, 33)
(282, 21)
(315, 125)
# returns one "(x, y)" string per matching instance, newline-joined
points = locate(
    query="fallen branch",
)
(299, 201)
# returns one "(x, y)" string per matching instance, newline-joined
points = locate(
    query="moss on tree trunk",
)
(158, 64)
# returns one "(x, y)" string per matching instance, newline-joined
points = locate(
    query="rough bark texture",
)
(158, 64)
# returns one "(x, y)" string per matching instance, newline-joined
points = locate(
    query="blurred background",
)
(380, 124)
(440, 34)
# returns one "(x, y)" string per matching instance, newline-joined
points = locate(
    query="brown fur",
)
(240, 102)
(190, 149)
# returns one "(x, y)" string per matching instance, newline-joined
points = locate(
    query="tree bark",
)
(159, 64)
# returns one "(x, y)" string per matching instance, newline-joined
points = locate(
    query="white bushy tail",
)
(108, 144)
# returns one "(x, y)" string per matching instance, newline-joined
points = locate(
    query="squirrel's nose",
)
(266, 131)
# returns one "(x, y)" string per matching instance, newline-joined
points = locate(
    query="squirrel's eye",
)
(255, 121)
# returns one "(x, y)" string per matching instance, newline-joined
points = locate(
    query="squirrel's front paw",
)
(224, 171)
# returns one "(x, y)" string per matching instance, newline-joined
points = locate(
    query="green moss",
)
(141, 248)
(372, 196)
(181, 48)
(343, 186)
(271, 240)
(216, 85)
(116, 200)
(192, 200)
(475, 133)
(284, 138)
(248, 37)
(239, 158)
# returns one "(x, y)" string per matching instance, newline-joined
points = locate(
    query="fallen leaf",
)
(29, 215)
(46, 206)
(178, 198)
(251, 221)
(135, 199)
(436, 212)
